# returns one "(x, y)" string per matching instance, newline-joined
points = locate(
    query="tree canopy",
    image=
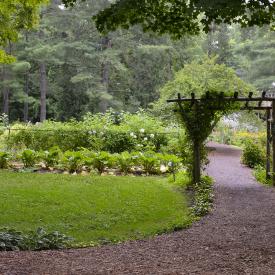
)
(124, 70)
(179, 17)
(16, 15)
(199, 78)
(175, 17)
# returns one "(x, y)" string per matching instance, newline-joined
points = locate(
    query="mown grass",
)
(91, 209)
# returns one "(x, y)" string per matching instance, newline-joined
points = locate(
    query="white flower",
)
(163, 168)
(142, 130)
(145, 139)
(152, 136)
(94, 131)
(90, 132)
(139, 145)
(132, 134)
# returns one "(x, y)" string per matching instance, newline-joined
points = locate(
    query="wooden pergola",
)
(264, 102)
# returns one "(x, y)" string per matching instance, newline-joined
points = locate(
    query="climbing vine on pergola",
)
(200, 115)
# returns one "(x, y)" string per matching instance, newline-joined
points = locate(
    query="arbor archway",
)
(200, 115)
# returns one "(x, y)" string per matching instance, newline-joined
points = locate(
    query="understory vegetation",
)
(112, 143)
(109, 194)
(14, 240)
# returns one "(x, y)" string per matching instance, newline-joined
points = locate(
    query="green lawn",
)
(91, 209)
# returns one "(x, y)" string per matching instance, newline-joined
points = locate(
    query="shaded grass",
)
(91, 209)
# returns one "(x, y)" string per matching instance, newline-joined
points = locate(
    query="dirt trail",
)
(238, 237)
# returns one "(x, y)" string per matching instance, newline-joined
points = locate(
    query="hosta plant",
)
(125, 161)
(101, 161)
(29, 158)
(150, 162)
(13, 240)
(51, 157)
(43, 240)
(73, 161)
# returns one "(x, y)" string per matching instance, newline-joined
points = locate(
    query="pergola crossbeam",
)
(221, 96)
(241, 99)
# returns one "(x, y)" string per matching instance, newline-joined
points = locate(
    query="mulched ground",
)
(238, 237)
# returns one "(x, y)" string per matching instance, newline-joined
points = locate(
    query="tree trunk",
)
(197, 162)
(6, 88)
(6, 96)
(210, 41)
(26, 101)
(43, 92)
(27, 81)
(6, 92)
(106, 44)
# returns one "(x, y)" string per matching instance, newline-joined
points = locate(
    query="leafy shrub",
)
(260, 175)
(28, 158)
(51, 157)
(12, 240)
(95, 141)
(182, 179)
(4, 122)
(101, 161)
(159, 140)
(117, 142)
(98, 132)
(253, 154)
(67, 136)
(173, 146)
(172, 162)
(240, 138)
(73, 161)
(4, 160)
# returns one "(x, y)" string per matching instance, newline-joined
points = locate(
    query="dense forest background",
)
(65, 68)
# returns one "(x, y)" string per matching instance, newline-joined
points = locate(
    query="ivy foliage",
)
(203, 197)
(200, 118)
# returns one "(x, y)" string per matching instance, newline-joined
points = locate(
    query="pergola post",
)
(268, 139)
(273, 142)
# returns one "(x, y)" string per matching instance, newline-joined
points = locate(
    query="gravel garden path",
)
(238, 237)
